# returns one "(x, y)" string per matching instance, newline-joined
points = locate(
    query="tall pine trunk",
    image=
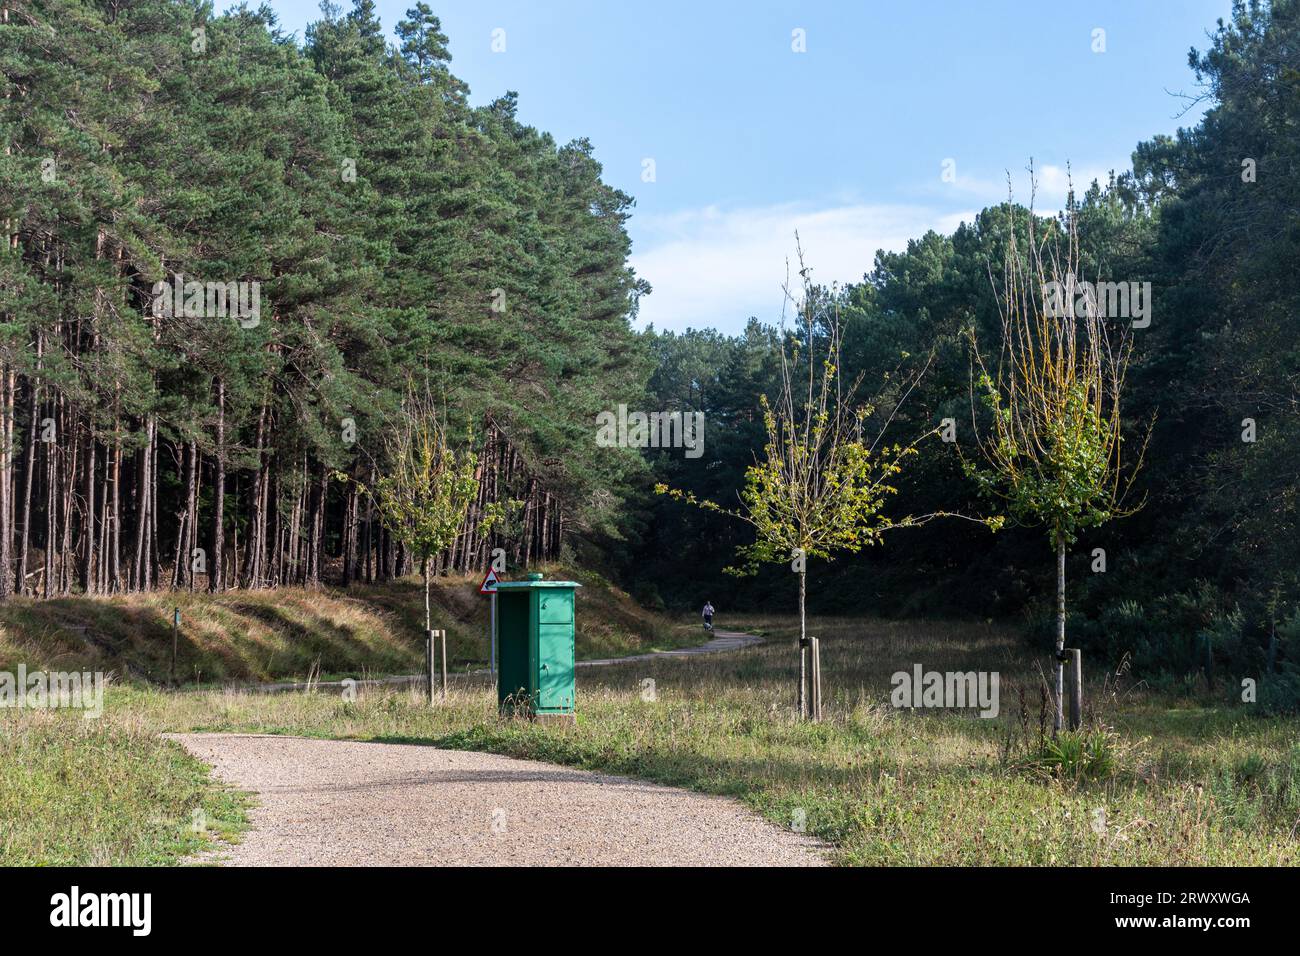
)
(257, 521)
(216, 560)
(29, 472)
(6, 477)
(69, 470)
(101, 571)
(51, 513)
(88, 525)
(115, 545)
(144, 485)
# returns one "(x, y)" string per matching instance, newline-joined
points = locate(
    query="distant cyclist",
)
(708, 615)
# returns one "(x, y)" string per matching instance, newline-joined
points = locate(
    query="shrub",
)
(1080, 756)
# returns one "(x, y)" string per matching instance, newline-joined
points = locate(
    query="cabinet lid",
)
(527, 585)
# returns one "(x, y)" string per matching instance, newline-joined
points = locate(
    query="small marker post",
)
(176, 627)
(489, 587)
(428, 665)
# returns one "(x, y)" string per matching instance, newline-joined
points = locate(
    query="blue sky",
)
(845, 142)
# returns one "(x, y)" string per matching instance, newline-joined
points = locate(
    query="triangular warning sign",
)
(489, 584)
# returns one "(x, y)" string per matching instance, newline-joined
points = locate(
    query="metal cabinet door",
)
(554, 606)
(555, 668)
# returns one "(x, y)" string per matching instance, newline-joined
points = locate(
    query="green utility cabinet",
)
(535, 632)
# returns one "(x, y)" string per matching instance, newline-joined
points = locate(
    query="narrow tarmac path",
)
(721, 641)
(350, 803)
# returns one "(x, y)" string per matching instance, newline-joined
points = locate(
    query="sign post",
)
(176, 627)
(489, 587)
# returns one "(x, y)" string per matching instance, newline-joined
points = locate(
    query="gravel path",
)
(349, 803)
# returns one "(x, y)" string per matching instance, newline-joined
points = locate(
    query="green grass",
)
(77, 792)
(1175, 781)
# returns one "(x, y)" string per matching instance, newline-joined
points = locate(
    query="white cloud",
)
(1052, 188)
(716, 267)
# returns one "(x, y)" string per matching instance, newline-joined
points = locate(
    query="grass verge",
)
(77, 792)
(1182, 782)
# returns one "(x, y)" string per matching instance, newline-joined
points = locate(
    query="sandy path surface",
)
(348, 803)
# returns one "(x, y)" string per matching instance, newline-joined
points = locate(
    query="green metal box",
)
(535, 635)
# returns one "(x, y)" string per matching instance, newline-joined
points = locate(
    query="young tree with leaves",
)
(428, 487)
(1052, 444)
(820, 486)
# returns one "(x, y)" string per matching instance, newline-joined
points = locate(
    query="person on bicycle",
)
(708, 615)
